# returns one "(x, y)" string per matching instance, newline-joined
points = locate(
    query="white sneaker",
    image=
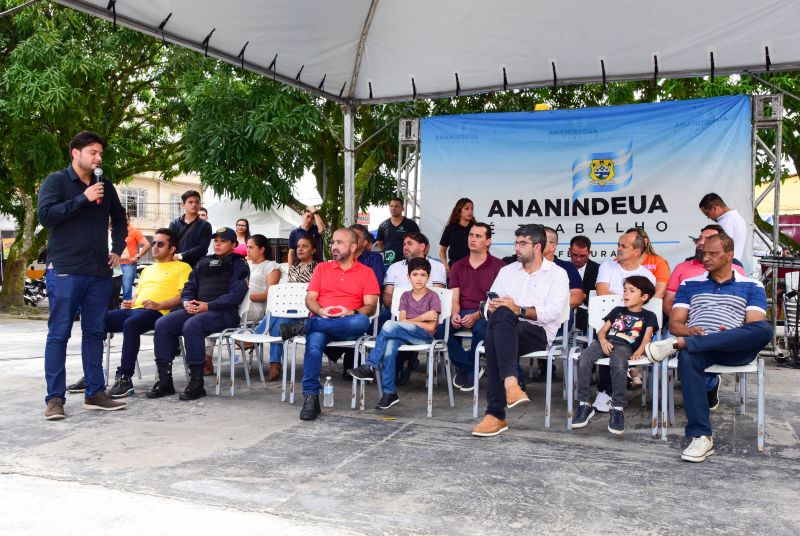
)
(700, 448)
(658, 351)
(602, 402)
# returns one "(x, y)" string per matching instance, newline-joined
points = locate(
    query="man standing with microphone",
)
(76, 205)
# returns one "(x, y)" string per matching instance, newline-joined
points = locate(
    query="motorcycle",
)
(35, 291)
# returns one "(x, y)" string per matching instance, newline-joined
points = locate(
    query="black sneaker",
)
(616, 421)
(466, 382)
(364, 373)
(582, 415)
(713, 395)
(388, 400)
(77, 387)
(292, 329)
(311, 409)
(123, 386)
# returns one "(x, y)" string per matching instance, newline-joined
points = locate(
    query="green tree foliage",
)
(61, 72)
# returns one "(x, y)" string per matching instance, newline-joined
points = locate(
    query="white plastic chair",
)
(286, 300)
(107, 350)
(560, 346)
(756, 367)
(599, 307)
(435, 349)
(355, 344)
(224, 335)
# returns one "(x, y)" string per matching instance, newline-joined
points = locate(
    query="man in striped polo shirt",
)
(719, 318)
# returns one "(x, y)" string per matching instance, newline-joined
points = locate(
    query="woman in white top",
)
(263, 274)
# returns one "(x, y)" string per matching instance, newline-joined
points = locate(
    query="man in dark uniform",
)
(194, 232)
(75, 204)
(210, 299)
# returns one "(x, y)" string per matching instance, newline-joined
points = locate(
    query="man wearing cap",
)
(210, 299)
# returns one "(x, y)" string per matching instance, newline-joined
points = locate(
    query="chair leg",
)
(219, 367)
(654, 413)
(294, 370)
(138, 369)
(232, 360)
(760, 415)
(743, 395)
(643, 373)
(570, 395)
(284, 363)
(449, 375)
(548, 391)
(430, 382)
(108, 355)
(260, 356)
(476, 369)
(245, 364)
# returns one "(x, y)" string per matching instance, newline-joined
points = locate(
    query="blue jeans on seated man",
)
(730, 347)
(128, 276)
(465, 360)
(132, 323)
(65, 294)
(321, 331)
(274, 329)
(392, 336)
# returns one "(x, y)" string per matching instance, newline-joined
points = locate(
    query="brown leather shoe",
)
(104, 402)
(55, 409)
(490, 426)
(274, 372)
(515, 396)
(208, 368)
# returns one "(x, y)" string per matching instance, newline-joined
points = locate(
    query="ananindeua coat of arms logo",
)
(601, 171)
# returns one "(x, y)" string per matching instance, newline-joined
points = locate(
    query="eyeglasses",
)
(158, 244)
(522, 243)
(241, 225)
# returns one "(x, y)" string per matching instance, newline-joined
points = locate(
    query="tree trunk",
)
(25, 249)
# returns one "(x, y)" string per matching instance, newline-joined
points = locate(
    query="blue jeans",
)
(462, 359)
(66, 293)
(275, 348)
(128, 275)
(132, 323)
(731, 347)
(392, 336)
(320, 332)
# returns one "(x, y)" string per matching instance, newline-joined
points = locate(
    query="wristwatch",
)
(522, 312)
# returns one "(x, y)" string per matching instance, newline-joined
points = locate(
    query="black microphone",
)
(98, 175)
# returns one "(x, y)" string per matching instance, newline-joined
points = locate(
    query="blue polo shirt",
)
(575, 280)
(712, 304)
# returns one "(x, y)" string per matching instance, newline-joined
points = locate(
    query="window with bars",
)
(133, 199)
(175, 206)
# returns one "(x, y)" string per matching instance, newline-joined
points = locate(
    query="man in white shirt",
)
(612, 274)
(414, 245)
(714, 208)
(523, 317)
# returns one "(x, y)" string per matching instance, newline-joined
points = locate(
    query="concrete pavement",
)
(248, 465)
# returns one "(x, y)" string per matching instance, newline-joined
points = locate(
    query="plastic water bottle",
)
(327, 390)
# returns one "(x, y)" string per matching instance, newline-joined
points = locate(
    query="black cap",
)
(226, 233)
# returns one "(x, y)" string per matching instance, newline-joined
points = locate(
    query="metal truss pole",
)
(768, 115)
(408, 167)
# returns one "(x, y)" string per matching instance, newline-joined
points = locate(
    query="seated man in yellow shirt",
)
(159, 291)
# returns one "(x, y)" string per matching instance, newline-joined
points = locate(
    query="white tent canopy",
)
(371, 51)
(276, 222)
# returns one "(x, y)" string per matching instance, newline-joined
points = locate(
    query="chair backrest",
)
(600, 306)
(445, 297)
(792, 280)
(287, 300)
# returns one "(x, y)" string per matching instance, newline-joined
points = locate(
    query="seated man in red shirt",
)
(342, 295)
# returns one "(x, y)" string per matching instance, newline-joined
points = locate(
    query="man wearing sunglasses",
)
(159, 291)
